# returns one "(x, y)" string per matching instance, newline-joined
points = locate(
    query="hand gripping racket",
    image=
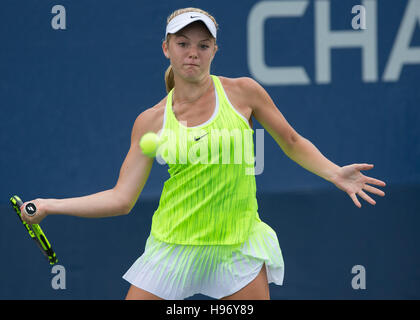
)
(34, 230)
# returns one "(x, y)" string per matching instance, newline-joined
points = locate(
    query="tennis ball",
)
(149, 144)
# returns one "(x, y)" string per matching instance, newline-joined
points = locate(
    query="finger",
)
(364, 166)
(374, 190)
(25, 218)
(355, 200)
(366, 197)
(23, 213)
(375, 181)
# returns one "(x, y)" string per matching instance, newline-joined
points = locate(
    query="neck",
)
(188, 92)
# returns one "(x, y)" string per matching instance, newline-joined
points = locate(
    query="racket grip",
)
(30, 209)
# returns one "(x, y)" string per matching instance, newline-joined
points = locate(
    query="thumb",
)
(364, 166)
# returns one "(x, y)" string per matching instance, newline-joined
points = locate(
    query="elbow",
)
(126, 209)
(293, 141)
(294, 138)
(122, 205)
(129, 205)
(124, 212)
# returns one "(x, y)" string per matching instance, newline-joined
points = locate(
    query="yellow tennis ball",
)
(149, 144)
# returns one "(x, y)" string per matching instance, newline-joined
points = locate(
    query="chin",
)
(193, 76)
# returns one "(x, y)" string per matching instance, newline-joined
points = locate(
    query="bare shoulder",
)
(242, 93)
(150, 119)
(245, 88)
(241, 84)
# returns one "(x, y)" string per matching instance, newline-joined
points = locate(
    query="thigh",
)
(257, 289)
(135, 293)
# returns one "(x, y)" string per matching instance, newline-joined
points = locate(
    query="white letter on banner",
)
(401, 52)
(256, 61)
(325, 40)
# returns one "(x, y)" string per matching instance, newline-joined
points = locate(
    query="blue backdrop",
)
(69, 98)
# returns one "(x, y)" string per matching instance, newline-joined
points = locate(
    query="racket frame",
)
(35, 232)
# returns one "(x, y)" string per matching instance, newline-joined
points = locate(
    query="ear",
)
(165, 49)
(215, 50)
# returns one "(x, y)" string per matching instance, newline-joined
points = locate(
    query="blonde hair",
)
(169, 74)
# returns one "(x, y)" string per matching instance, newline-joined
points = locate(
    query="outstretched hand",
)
(351, 180)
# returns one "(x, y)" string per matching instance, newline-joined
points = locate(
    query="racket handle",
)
(30, 209)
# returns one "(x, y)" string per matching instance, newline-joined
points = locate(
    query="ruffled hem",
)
(176, 272)
(263, 246)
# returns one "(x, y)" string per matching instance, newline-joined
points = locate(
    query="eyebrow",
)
(182, 35)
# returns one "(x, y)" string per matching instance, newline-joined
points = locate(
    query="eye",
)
(182, 44)
(203, 46)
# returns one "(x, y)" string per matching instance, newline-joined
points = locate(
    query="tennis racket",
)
(34, 230)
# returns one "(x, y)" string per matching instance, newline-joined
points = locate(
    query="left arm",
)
(302, 151)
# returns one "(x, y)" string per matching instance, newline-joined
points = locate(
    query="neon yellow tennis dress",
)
(210, 197)
(206, 236)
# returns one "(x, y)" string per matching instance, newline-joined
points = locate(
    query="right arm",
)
(120, 199)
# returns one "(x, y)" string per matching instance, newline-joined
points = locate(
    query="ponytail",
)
(169, 79)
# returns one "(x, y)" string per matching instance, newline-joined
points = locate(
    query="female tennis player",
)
(206, 235)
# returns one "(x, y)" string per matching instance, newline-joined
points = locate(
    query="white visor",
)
(184, 19)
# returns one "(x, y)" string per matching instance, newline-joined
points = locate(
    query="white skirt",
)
(175, 272)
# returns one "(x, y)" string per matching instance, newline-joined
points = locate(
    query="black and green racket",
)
(35, 230)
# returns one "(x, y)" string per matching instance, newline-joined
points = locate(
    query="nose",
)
(193, 53)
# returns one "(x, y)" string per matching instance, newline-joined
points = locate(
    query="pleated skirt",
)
(175, 272)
